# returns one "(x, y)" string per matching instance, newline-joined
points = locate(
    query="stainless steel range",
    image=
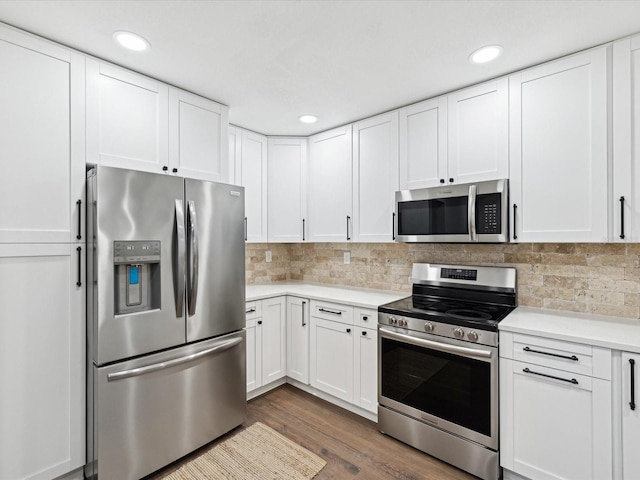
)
(438, 363)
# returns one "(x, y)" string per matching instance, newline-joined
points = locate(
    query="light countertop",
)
(358, 297)
(610, 332)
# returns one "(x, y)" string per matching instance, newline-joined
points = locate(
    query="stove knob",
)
(473, 336)
(458, 332)
(428, 327)
(402, 322)
(392, 321)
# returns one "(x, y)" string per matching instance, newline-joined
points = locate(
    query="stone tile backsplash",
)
(601, 278)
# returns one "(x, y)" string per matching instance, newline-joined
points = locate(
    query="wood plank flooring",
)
(352, 445)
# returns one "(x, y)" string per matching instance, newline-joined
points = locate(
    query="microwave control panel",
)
(489, 213)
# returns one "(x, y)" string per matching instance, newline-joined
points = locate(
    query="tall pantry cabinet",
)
(42, 332)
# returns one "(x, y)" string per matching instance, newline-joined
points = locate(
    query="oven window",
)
(441, 216)
(444, 385)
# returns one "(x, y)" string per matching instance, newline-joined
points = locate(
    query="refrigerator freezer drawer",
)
(150, 411)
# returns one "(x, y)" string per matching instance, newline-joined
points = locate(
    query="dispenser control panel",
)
(137, 275)
(136, 251)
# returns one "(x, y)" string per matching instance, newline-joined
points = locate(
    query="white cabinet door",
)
(478, 132)
(630, 417)
(252, 175)
(198, 137)
(42, 361)
(626, 140)
(558, 143)
(274, 350)
(423, 144)
(41, 141)
(287, 164)
(556, 426)
(375, 177)
(298, 339)
(235, 154)
(254, 354)
(329, 186)
(127, 119)
(331, 362)
(365, 362)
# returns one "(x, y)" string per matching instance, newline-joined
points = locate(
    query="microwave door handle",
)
(473, 236)
(179, 261)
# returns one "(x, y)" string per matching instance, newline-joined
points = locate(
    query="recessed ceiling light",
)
(131, 41)
(485, 54)
(308, 118)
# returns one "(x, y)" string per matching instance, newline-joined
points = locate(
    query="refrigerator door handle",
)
(193, 258)
(179, 261)
(136, 372)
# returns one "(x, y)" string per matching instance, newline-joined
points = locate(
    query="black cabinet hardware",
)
(348, 220)
(365, 318)
(175, 170)
(303, 235)
(573, 380)
(451, 180)
(515, 208)
(251, 310)
(165, 168)
(348, 330)
(632, 366)
(245, 229)
(329, 311)
(79, 282)
(79, 204)
(259, 322)
(364, 333)
(622, 217)
(393, 226)
(442, 180)
(572, 357)
(303, 305)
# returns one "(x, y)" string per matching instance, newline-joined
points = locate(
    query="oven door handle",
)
(442, 347)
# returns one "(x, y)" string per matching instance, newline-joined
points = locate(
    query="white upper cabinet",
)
(287, 173)
(127, 119)
(330, 186)
(558, 150)
(235, 154)
(478, 131)
(251, 173)
(626, 140)
(375, 177)
(41, 141)
(198, 137)
(423, 144)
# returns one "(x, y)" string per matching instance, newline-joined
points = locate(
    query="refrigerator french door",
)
(165, 317)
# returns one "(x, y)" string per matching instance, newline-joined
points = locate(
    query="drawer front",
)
(334, 312)
(562, 355)
(365, 317)
(253, 309)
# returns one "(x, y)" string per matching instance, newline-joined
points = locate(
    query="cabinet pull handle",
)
(348, 219)
(174, 170)
(245, 229)
(303, 235)
(348, 330)
(393, 226)
(364, 333)
(365, 318)
(622, 217)
(329, 311)
(79, 204)
(79, 282)
(251, 310)
(515, 208)
(573, 380)
(259, 322)
(632, 403)
(165, 168)
(303, 305)
(442, 180)
(572, 357)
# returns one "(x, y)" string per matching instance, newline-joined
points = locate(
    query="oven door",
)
(449, 384)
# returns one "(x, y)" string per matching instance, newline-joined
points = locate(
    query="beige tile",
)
(632, 299)
(528, 279)
(633, 248)
(601, 248)
(528, 301)
(599, 272)
(559, 270)
(563, 248)
(604, 297)
(553, 292)
(614, 310)
(554, 281)
(632, 273)
(531, 258)
(612, 260)
(625, 286)
(559, 304)
(563, 259)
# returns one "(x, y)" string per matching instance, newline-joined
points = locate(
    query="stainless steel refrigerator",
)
(165, 318)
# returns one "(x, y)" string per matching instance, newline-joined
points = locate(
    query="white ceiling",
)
(272, 61)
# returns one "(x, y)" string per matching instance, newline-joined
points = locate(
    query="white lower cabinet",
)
(266, 334)
(298, 339)
(555, 409)
(42, 360)
(365, 392)
(630, 416)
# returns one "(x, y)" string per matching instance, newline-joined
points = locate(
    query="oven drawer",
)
(334, 312)
(559, 354)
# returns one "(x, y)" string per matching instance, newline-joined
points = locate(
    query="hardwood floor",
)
(351, 445)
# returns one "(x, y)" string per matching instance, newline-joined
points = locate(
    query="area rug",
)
(256, 453)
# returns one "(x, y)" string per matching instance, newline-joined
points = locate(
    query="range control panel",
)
(459, 273)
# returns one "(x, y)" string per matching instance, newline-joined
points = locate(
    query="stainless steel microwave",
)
(465, 213)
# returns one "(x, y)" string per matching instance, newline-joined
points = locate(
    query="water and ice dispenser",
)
(137, 276)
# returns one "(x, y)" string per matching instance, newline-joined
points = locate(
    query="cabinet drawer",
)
(253, 309)
(365, 317)
(567, 356)
(334, 312)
